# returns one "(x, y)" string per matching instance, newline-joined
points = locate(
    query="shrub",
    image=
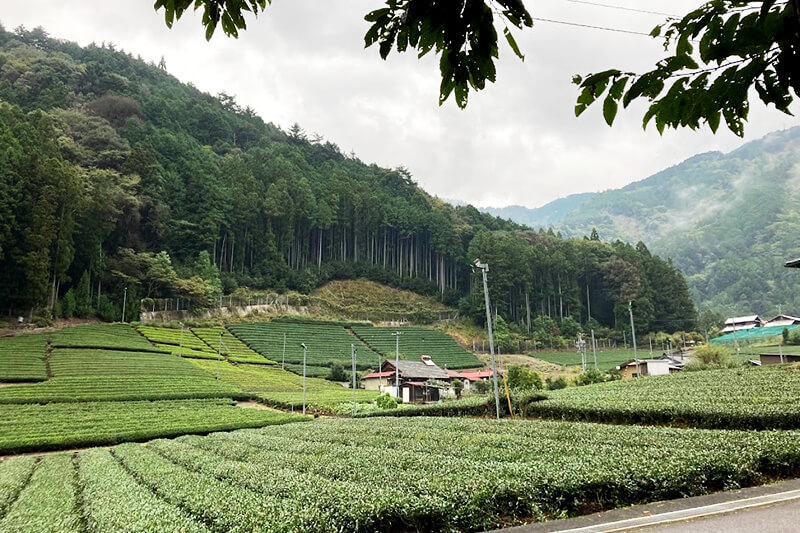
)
(793, 337)
(556, 383)
(385, 401)
(481, 387)
(68, 304)
(337, 373)
(458, 386)
(711, 356)
(590, 377)
(107, 310)
(521, 378)
(42, 321)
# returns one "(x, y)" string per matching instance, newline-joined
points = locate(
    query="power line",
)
(610, 6)
(605, 28)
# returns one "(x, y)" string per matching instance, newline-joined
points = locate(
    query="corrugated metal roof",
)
(475, 376)
(378, 375)
(418, 369)
(738, 327)
(740, 319)
(793, 263)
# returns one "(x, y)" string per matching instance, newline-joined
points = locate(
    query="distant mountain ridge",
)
(549, 214)
(728, 221)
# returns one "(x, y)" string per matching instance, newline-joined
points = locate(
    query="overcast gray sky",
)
(517, 142)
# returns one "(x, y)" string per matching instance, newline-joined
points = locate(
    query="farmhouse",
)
(777, 359)
(740, 323)
(420, 381)
(470, 376)
(646, 367)
(782, 321)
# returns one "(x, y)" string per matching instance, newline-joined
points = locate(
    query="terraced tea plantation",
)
(117, 336)
(327, 343)
(283, 389)
(233, 348)
(416, 341)
(36, 427)
(22, 358)
(174, 337)
(326, 476)
(105, 375)
(742, 398)
(112, 394)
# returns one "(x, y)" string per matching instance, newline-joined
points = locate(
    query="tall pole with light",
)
(484, 268)
(353, 356)
(124, 301)
(180, 350)
(304, 377)
(219, 352)
(633, 337)
(396, 336)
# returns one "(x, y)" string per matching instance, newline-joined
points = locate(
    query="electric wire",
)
(632, 9)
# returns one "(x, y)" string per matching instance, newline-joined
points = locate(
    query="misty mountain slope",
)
(548, 215)
(728, 221)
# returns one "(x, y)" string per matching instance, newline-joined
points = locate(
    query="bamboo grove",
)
(114, 176)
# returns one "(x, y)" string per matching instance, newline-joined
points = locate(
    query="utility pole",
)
(594, 350)
(651, 345)
(283, 361)
(484, 267)
(580, 344)
(219, 352)
(353, 356)
(124, 301)
(304, 377)
(633, 336)
(588, 303)
(396, 336)
(180, 350)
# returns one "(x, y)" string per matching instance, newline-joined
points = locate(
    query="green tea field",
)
(740, 398)
(330, 476)
(417, 341)
(607, 358)
(107, 384)
(22, 358)
(283, 389)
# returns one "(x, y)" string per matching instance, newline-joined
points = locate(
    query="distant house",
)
(377, 380)
(420, 381)
(646, 367)
(776, 358)
(782, 321)
(740, 323)
(470, 376)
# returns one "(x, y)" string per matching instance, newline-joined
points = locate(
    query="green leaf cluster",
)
(719, 54)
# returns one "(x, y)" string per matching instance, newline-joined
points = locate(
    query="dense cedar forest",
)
(115, 175)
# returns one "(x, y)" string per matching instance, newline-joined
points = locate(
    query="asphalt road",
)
(777, 518)
(769, 508)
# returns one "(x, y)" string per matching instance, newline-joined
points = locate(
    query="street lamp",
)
(396, 335)
(304, 377)
(180, 350)
(124, 301)
(219, 352)
(353, 356)
(484, 268)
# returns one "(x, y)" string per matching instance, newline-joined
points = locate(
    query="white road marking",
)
(687, 514)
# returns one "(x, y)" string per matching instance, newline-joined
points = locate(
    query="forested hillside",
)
(114, 176)
(729, 221)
